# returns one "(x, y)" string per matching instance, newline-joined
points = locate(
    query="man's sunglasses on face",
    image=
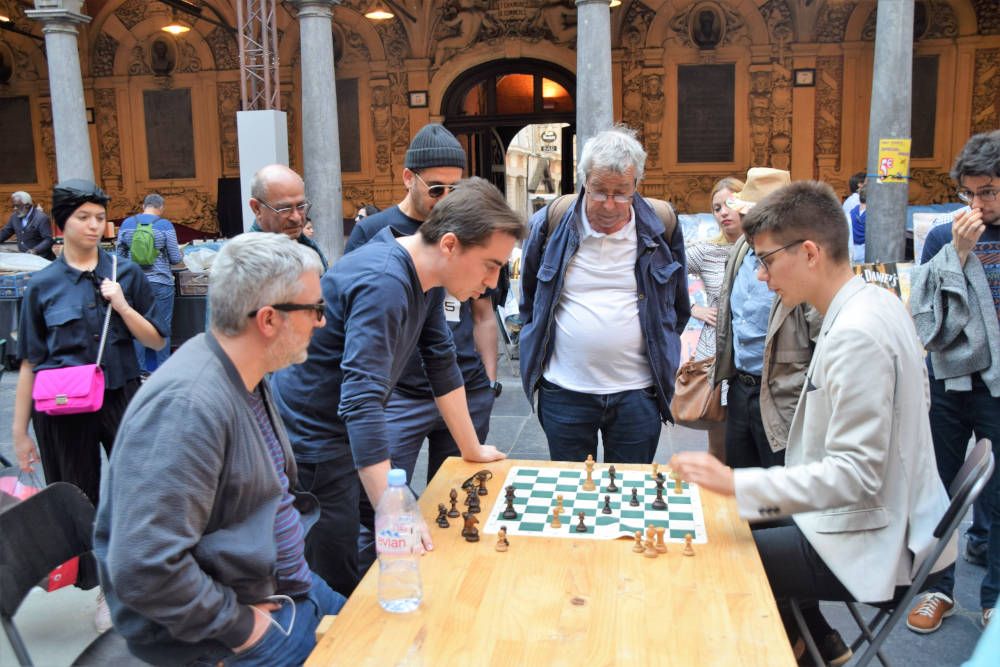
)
(436, 191)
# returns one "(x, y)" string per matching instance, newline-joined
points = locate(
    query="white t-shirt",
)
(598, 346)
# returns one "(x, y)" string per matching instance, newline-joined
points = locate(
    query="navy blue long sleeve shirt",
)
(376, 316)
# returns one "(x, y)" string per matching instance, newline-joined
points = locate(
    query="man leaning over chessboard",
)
(859, 489)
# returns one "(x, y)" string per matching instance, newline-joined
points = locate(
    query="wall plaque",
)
(18, 163)
(348, 124)
(705, 113)
(169, 133)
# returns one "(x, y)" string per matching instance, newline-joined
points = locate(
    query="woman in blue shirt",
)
(60, 325)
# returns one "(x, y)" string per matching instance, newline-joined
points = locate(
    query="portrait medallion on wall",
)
(707, 25)
(162, 56)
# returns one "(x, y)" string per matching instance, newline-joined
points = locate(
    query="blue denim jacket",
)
(661, 277)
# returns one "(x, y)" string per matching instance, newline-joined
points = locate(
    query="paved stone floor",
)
(57, 626)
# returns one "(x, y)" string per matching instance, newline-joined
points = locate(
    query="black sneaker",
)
(832, 648)
(975, 553)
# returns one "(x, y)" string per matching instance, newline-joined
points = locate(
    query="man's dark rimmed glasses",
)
(318, 308)
(436, 191)
(284, 211)
(986, 195)
(760, 258)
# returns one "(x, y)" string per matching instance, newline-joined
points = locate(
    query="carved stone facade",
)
(829, 105)
(429, 46)
(986, 91)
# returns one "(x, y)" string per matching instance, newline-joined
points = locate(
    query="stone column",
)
(594, 89)
(320, 134)
(885, 226)
(59, 19)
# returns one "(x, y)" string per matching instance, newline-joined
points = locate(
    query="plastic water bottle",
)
(397, 541)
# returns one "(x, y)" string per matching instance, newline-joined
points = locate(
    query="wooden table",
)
(567, 601)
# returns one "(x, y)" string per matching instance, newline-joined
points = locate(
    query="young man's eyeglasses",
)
(987, 195)
(286, 211)
(438, 190)
(759, 260)
(319, 308)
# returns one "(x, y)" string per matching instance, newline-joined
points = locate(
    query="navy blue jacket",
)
(661, 277)
(377, 314)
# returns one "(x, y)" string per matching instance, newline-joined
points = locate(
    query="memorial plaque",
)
(923, 116)
(18, 163)
(348, 114)
(705, 113)
(169, 133)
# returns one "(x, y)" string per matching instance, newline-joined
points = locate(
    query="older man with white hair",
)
(604, 300)
(29, 225)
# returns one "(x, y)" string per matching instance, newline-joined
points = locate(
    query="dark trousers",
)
(795, 570)
(149, 359)
(410, 421)
(332, 543)
(629, 423)
(955, 417)
(746, 442)
(69, 445)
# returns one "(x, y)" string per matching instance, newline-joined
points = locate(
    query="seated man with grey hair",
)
(604, 300)
(200, 533)
(30, 226)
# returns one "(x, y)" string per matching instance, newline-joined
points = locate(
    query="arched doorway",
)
(491, 103)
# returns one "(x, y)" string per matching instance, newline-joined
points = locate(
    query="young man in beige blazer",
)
(859, 491)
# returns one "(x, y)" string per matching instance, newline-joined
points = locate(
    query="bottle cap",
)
(397, 477)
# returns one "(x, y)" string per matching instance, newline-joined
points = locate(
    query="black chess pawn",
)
(607, 505)
(453, 497)
(474, 505)
(442, 519)
(634, 501)
(658, 503)
(581, 527)
(509, 512)
(509, 492)
(612, 474)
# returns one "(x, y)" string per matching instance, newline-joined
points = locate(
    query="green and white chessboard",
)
(535, 491)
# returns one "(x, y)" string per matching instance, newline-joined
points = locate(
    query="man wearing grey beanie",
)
(434, 162)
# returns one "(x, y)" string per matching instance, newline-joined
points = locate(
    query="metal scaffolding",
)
(258, 40)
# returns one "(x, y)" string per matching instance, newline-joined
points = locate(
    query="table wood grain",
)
(567, 602)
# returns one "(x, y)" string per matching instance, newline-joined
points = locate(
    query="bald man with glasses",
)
(279, 204)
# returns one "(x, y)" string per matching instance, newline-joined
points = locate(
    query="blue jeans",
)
(955, 417)
(150, 360)
(275, 649)
(629, 423)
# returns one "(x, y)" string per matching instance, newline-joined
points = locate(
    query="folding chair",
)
(39, 534)
(966, 487)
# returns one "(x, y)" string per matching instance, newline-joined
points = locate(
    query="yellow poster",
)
(893, 160)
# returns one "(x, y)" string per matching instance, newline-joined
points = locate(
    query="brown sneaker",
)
(929, 610)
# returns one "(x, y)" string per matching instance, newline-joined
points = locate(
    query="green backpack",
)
(143, 248)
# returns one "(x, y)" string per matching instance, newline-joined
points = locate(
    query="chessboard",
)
(536, 491)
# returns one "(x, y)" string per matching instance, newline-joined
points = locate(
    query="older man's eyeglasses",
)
(986, 195)
(286, 211)
(319, 308)
(437, 190)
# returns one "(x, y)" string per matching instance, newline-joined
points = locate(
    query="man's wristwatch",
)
(496, 387)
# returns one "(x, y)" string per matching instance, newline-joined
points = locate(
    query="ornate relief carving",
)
(693, 29)
(197, 211)
(356, 49)
(104, 55)
(358, 196)
(653, 103)
(688, 194)
(400, 132)
(928, 186)
(829, 91)
(131, 12)
(137, 61)
(778, 16)
(771, 115)
(382, 126)
(941, 20)
(225, 51)
(48, 138)
(394, 41)
(868, 31)
(189, 60)
(24, 65)
(987, 16)
(986, 91)
(228, 96)
(642, 94)
(832, 25)
(106, 107)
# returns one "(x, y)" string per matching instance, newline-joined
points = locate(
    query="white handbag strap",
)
(107, 311)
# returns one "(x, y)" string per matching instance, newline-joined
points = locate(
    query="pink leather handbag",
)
(74, 389)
